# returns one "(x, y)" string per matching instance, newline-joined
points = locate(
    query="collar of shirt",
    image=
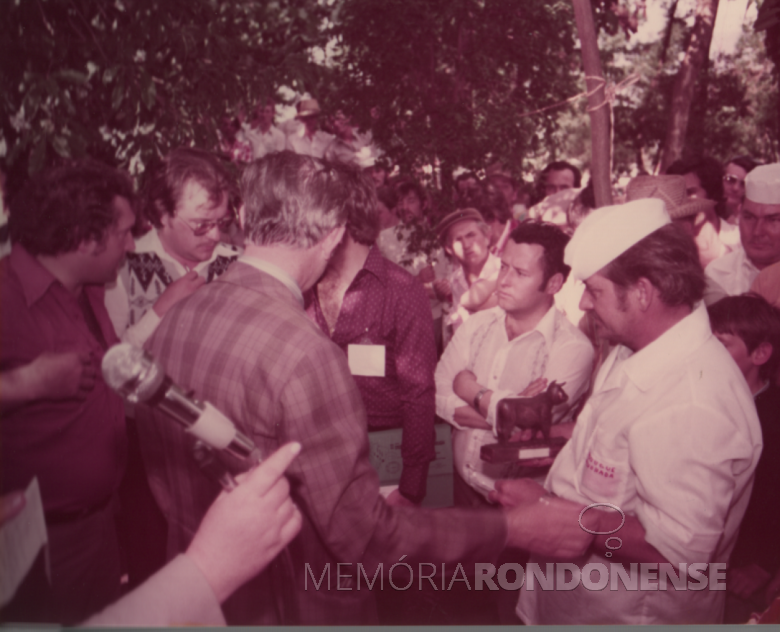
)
(37, 279)
(545, 326)
(276, 272)
(645, 367)
(491, 268)
(150, 242)
(745, 263)
(733, 263)
(374, 264)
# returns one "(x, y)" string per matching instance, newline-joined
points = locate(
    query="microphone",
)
(140, 379)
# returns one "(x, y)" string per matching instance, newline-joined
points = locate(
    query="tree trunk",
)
(601, 141)
(682, 96)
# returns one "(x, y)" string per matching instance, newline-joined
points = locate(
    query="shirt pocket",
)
(604, 478)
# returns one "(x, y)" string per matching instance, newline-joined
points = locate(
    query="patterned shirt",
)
(385, 311)
(144, 277)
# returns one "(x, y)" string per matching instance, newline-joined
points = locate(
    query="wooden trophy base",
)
(521, 452)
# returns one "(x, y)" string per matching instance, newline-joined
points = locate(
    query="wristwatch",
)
(478, 397)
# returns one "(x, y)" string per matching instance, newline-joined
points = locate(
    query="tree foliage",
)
(450, 81)
(131, 78)
(734, 110)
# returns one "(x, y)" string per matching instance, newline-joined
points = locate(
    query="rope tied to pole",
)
(611, 90)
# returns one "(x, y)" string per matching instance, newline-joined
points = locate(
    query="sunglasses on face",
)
(732, 180)
(199, 229)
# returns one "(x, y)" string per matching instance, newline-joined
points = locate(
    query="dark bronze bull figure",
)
(528, 412)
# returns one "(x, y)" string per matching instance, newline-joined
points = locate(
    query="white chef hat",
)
(762, 185)
(608, 232)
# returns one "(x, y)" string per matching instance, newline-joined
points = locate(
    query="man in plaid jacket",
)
(244, 344)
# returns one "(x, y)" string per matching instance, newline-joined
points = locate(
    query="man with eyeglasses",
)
(186, 198)
(759, 226)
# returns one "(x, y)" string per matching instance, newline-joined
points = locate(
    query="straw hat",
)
(670, 189)
(308, 107)
(461, 215)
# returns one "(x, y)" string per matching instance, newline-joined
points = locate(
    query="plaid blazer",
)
(244, 344)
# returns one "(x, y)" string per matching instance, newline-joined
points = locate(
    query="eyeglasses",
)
(201, 228)
(730, 179)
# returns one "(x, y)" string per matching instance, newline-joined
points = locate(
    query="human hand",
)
(463, 384)
(62, 375)
(396, 499)
(443, 290)
(549, 527)
(745, 581)
(11, 505)
(516, 491)
(534, 388)
(178, 290)
(245, 529)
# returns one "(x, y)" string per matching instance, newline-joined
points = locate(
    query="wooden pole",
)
(601, 141)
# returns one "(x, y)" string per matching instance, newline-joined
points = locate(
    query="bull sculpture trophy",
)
(521, 413)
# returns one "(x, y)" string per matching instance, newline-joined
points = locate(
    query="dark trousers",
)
(85, 566)
(142, 528)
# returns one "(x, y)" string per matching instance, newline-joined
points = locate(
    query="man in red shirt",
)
(380, 317)
(61, 423)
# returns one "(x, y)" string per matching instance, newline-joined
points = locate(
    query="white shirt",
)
(729, 275)
(554, 349)
(276, 272)
(264, 143)
(145, 275)
(298, 142)
(459, 286)
(360, 151)
(671, 436)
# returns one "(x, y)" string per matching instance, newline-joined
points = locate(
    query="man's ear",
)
(762, 353)
(554, 283)
(241, 216)
(645, 293)
(90, 247)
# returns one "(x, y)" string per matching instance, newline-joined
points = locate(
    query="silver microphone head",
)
(132, 372)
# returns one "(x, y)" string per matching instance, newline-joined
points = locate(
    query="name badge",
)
(367, 360)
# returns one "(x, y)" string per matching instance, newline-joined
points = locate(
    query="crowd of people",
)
(325, 297)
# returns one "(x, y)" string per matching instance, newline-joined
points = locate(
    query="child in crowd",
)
(749, 328)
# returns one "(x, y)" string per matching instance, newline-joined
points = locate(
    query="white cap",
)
(608, 232)
(762, 185)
